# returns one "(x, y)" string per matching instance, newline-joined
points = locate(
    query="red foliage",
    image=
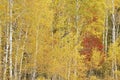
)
(90, 42)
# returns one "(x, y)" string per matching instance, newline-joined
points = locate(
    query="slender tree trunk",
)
(77, 35)
(106, 33)
(10, 38)
(16, 56)
(35, 55)
(114, 64)
(22, 55)
(6, 54)
(117, 32)
(54, 77)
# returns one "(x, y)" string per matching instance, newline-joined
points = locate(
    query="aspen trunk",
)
(106, 33)
(22, 55)
(16, 57)
(6, 54)
(117, 32)
(10, 38)
(114, 64)
(35, 55)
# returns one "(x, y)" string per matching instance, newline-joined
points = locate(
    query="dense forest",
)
(59, 39)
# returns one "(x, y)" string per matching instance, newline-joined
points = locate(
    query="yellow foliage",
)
(93, 78)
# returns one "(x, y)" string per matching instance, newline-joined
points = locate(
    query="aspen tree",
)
(77, 35)
(10, 38)
(22, 54)
(6, 53)
(114, 62)
(35, 55)
(106, 30)
(16, 56)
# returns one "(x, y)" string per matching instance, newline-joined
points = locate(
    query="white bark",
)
(113, 21)
(35, 55)
(114, 64)
(6, 53)
(117, 31)
(22, 55)
(106, 33)
(10, 38)
(16, 56)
